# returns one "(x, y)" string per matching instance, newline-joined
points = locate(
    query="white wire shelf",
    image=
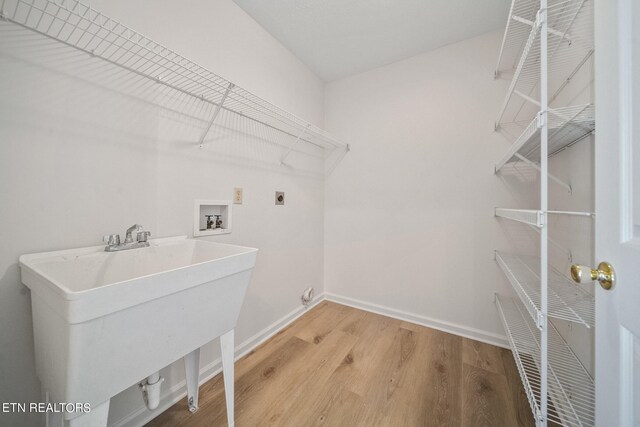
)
(522, 342)
(77, 25)
(532, 217)
(571, 390)
(527, 216)
(566, 301)
(522, 15)
(570, 45)
(566, 126)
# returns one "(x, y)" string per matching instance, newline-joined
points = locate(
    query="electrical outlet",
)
(279, 198)
(237, 196)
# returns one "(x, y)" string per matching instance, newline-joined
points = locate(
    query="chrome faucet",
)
(113, 240)
(135, 227)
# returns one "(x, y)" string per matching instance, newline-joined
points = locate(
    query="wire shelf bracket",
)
(290, 148)
(551, 176)
(215, 114)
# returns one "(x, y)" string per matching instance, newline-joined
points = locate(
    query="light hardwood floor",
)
(338, 366)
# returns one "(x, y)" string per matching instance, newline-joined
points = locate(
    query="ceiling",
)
(339, 38)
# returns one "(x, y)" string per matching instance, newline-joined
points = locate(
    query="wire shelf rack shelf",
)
(533, 217)
(522, 16)
(566, 301)
(566, 126)
(526, 216)
(546, 44)
(77, 25)
(571, 390)
(570, 45)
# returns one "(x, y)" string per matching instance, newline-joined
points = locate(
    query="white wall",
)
(86, 150)
(409, 228)
(409, 213)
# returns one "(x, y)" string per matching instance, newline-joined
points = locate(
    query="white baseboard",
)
(452, 328)
(178, 391)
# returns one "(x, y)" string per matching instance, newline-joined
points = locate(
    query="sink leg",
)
(227, 349)
(192, 373)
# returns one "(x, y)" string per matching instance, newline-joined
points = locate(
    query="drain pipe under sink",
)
(151, 390)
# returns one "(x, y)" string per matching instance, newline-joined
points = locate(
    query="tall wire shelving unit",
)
(545, 44)
(76, 25)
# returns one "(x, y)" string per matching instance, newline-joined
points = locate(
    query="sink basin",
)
(82, 284)
(103, 321)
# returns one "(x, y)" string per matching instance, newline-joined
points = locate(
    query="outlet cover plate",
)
(237, 195)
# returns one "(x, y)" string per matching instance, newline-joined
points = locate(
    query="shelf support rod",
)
(215, 113)
(526, 98)
(551, 176)
(544, 195)
(572, 75)
(286, 153)
(337, 160)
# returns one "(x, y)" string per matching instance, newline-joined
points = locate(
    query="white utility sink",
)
(104, 321)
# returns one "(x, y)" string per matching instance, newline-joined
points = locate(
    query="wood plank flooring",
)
(339, 366)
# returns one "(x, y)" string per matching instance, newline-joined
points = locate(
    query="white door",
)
(617, 172)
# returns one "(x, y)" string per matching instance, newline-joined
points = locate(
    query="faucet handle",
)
(111, 239)
(142, 236)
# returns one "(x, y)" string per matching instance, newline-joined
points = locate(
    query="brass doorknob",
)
(605, 274)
